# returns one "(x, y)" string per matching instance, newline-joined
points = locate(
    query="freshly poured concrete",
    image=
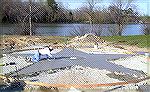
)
(99, 61)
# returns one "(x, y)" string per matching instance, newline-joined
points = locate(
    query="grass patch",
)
(142, 41)
(43, 39)
(55, 39)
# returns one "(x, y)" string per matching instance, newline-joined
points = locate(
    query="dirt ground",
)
(18, 42)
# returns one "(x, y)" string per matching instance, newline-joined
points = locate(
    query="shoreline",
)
(22, 41)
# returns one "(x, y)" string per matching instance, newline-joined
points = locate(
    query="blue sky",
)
(142, 6)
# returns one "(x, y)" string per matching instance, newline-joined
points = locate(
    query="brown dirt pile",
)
(87, 38)
(18, 41)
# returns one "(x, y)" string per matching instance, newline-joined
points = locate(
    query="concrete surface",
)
(83, 59)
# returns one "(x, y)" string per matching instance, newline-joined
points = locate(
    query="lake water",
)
(77, 29)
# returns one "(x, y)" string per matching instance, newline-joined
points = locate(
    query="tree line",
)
(22, 13)
(16, 11)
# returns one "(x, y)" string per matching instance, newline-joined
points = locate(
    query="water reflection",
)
(80, 29)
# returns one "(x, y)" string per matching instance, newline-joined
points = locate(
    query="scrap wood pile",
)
(87, 40)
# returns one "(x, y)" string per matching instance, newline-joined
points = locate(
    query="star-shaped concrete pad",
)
(63, 59)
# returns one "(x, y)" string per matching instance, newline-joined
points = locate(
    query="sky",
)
(141, 6)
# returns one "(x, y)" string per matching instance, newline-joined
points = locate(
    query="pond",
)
(77, 29)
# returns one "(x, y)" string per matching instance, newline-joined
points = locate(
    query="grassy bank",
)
(41, 39)
(142, 41)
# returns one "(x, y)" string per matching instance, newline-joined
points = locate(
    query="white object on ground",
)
(55, 51)
(147, 54)
(95, 46)
(4, 55)
(73, 58)
(72, 89)
(45, 51)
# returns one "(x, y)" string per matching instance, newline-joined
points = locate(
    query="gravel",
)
(104, 50)
(138, 62)
(19, 63)
(75, 75)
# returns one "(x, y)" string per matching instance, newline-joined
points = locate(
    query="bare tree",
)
(79, 15)
(121, 12)
(94, 15)
(23, 14)
(90, 13)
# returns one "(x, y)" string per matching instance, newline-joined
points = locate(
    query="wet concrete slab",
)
(99, 61)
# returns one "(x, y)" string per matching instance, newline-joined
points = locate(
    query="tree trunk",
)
(147, 29)
(120, 29)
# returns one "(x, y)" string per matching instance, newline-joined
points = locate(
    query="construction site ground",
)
(77, 62)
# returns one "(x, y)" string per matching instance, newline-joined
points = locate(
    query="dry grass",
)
(22, 41)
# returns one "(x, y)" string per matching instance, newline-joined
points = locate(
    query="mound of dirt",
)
(18, 42)
(87, 38)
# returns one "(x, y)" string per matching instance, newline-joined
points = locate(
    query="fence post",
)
(30, 19)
